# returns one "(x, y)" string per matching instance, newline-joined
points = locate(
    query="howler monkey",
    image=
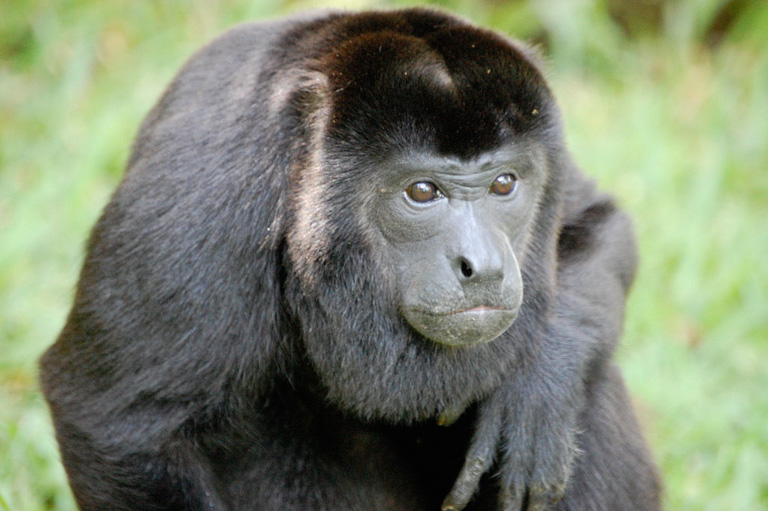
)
(351, 266)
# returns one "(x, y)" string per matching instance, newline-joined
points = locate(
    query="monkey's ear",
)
(301, 90)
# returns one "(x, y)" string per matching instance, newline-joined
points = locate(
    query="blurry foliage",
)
(665, 103)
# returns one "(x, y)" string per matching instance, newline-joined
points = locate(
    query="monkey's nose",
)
(466, 268)
(485, 268)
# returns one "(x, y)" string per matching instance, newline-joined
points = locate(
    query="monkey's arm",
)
(529, 424)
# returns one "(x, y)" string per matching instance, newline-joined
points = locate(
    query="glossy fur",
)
(237, 342)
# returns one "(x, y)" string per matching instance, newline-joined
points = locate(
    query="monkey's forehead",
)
(426, 76)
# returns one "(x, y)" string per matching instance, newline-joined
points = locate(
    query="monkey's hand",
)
(529, 429)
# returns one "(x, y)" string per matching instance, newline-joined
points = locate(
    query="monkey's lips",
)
(462, 327)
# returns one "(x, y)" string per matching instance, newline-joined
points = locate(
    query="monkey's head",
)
(422, 244)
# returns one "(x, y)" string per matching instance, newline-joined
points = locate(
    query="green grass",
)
(678, 132)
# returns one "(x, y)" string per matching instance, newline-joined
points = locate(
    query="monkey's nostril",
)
(466, 269)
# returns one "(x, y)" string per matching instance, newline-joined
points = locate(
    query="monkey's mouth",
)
(462, 327)
(478, 309)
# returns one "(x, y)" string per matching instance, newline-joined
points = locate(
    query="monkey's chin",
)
(466, 327)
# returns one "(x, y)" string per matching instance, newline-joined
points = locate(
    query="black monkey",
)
(351, 266)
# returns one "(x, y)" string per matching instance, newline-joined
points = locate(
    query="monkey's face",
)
(454, 235)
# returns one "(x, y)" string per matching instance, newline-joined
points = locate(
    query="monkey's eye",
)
(423, 191)
(504, 184)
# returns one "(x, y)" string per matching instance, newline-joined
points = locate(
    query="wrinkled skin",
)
(458, 275)
(351, 266)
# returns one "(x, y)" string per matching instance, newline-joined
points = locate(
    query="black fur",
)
(235, 342)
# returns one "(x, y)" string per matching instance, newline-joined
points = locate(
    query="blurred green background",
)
(666, 103)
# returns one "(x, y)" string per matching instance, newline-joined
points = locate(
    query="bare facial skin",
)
(456, 231)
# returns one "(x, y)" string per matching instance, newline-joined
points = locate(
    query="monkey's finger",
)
(467, 482)
(511, 499)
(450, 415)
(543, 498)
(479, 458)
